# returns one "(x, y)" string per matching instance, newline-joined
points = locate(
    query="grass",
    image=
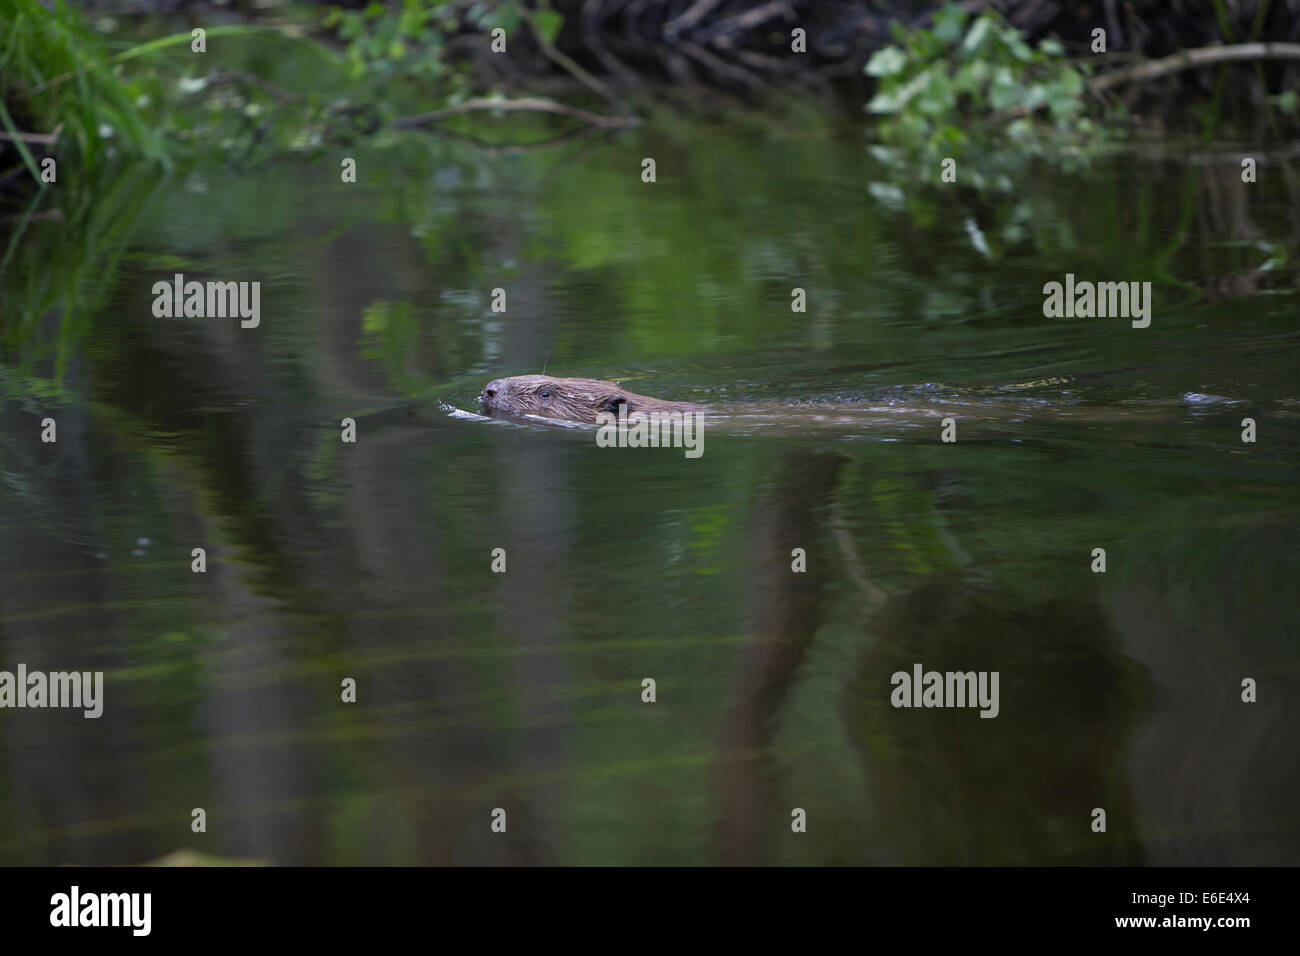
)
(56, 74)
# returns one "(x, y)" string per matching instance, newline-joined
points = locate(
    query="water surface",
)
(1118, 690)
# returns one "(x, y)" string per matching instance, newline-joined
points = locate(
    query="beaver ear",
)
(612, 402)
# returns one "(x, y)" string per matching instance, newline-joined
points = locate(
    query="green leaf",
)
(1020, 50)
(949, 23)
(975, 36)
(886, 62)
(1071, 82)
(925, 46)
(883, 103)
(548, 24)
(972, 77)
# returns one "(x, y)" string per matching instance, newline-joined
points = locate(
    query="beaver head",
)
(568, 399)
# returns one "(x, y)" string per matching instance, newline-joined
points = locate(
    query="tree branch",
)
(571, 67)
(42, 139)
(1195, 59)
(1184, 60)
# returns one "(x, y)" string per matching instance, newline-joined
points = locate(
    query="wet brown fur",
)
(568, 399)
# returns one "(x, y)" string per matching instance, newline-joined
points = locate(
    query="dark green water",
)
(1118, 690)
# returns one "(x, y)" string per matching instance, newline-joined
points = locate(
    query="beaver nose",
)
(490, 390)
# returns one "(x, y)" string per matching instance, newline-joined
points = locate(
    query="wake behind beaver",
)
(585, 401)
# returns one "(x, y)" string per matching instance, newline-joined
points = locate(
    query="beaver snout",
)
(490, 391)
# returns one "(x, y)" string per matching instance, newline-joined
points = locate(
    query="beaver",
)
(569, 399)
(581, 401)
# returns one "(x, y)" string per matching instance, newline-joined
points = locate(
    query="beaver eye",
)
(545, 393)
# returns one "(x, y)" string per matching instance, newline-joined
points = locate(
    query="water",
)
(523, 691)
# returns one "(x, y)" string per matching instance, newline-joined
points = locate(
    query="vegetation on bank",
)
(59, 86)
(313, 76)
(401, 77)
(969, 85)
